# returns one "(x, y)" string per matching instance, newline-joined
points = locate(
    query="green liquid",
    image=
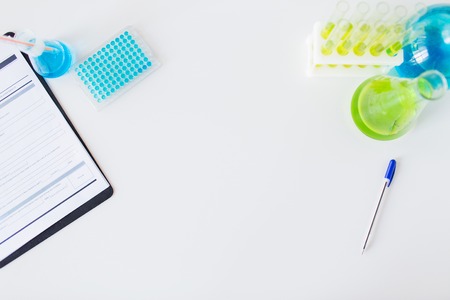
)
(364, 28)
(347, 29)
(376, 49)
(363, 32)
(343, 48)
(360, 49)
(325, 33)
(360, 35)
(394, 48)
(383, 108)
(327, 48)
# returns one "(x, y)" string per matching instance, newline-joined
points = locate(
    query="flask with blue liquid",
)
(430, 45)
(50, 58)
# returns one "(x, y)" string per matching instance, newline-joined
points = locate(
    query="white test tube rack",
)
(332, 63)
(346, 65)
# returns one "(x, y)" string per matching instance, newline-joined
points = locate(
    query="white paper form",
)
(45, 171)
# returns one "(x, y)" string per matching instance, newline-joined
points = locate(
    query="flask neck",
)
(431, 85)
(38, 45)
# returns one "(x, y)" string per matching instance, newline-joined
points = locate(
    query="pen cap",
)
(390, 171)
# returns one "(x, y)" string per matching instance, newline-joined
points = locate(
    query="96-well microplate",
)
(115, 67)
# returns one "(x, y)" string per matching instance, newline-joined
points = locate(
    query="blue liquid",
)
(431, 50)
(51, 64)
(113, 67)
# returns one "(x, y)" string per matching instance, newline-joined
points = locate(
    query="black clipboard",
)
(78, 212)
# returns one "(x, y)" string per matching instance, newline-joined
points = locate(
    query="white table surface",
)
(236, 176)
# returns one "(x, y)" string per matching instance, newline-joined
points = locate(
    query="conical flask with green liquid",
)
(385, 107)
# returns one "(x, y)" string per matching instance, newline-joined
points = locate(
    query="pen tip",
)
(362, 251)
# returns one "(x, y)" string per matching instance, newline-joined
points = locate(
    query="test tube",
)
(338, 13)
(387, 32)
(409, 36)
(365, 28)
(361, 10)
(412, 33)
(340, 32)
(395, 34)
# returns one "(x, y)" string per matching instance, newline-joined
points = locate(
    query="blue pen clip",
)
(390, 172)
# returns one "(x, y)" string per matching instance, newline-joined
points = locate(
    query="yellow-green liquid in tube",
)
(394, 48)
(325, 33)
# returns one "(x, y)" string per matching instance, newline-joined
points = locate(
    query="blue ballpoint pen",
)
(387, 182)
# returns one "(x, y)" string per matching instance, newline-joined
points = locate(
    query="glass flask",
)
(429, 46)
(50, 58)
(385, 107)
